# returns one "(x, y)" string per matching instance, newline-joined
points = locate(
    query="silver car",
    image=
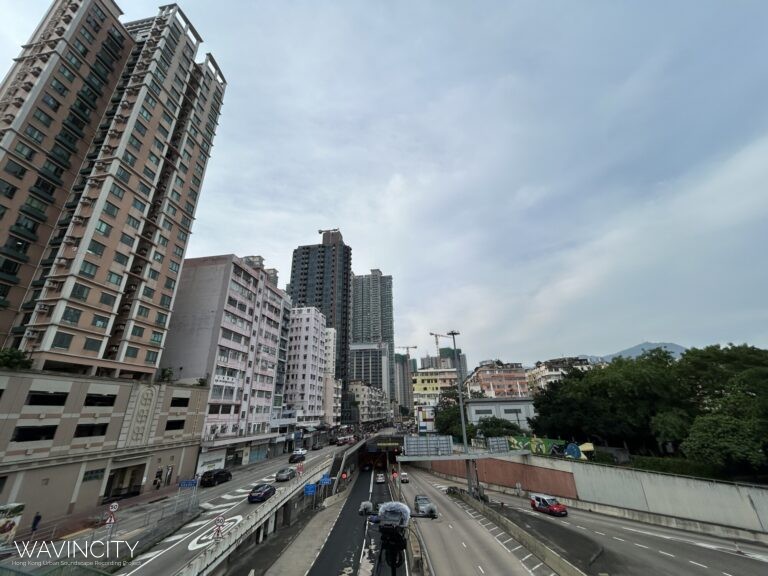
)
(285, 474)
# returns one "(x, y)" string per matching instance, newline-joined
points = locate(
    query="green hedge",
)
(676, 466)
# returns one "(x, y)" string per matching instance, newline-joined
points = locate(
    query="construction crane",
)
(407, 349)
(437, 342)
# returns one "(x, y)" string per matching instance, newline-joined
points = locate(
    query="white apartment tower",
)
(305, 372)
(332, 391)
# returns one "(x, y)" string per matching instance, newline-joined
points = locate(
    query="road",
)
(353, 544)
(229, 500)
(627, 548)
(461, 541)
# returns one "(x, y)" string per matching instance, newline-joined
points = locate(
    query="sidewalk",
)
(299, 556)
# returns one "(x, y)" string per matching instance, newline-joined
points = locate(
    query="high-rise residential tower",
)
(305, 374)
(105, 134)
(321, 276)
(372, 320)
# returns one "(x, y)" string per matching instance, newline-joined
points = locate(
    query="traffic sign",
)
(219, 520)
(110, 519)
(187, 483)
(113, 507)
(310, 489)
(325, 481)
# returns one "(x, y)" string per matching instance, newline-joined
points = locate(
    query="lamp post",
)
(459, 382)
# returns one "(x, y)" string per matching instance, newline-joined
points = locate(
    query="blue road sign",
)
(187, 483)
(325, 481)
(310, 489)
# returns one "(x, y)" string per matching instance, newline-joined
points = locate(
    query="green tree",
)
(14, 359)
(494, 427)
(724, 441)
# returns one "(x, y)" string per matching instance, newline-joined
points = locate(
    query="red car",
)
(548, 505)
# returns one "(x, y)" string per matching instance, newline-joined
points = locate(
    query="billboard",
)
(10, 518)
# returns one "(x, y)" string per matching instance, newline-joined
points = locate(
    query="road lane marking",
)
(516, 549)
(481, 569)
(526, 558)
(619, 539)
(148, 555)
(463, 544)
(193, 524)
(175, 537)
(582, 527)
(601, 533)
(666, 553)
(563, 521)
(697, 564)
(726, 574)
(450, 526)
(640, 545)
(537, 565)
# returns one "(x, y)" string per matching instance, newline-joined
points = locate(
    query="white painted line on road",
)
(601, 533)
(697, 564)
(494, 528)
(488, 523)
(537, 565)
(450, 526)
(175, 537)
(517, 548)
(463, 544)
(198, 523)
(148, 555)
(619, 539)
(640, 545)
(666, 553)
(582, 527)
(526, 558)
(563, 521)
(481, 569)
(726, 574)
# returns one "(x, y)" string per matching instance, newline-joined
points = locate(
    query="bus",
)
(341, 440)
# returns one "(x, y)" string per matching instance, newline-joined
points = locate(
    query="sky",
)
(547, 178)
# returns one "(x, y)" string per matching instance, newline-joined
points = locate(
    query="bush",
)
(679, 466)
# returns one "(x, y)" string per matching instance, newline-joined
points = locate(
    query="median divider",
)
(534, 546)
(213, 555)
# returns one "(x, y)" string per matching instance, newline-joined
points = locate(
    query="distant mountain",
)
(675, 349)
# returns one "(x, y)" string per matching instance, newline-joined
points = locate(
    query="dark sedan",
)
(261, 492)
(285, 474)
(296, 458)
(214, 477)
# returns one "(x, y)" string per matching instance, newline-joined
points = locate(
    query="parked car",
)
(296, 458)
(404, 478)
(213, 477)
(423, 506)
(548, 505)
(285, 474)
(300, 451)
(380, 479)
(261, 492)
(317, 446)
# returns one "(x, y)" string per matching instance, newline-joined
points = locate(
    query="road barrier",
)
(212, 556)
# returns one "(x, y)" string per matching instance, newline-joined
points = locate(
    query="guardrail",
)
(355, 447)
(217, 552)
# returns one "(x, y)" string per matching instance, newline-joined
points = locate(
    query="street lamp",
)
(459, 382)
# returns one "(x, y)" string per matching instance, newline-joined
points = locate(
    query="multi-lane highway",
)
(229, 500)
(601, 544)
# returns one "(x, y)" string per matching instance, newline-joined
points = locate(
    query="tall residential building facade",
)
(370, 403)
(372, 319)
(305, 376)
(226, 329)
(332, 391)
(499, 379)
(446, 359)
(369, 362)
(105, 135)
(403, 382)
(321, 276)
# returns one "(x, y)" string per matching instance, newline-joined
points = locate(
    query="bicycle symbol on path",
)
(215, 533)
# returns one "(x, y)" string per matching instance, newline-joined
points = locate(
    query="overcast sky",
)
(547, 178)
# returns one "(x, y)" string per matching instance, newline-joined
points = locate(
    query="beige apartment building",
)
(68, 443)
(497, 379)
(105, 134)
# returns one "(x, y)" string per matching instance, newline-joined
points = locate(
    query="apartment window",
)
(179, 402)
(73, 60)
(173, 424)
(137, 331)
(71, 315)
(141, 129)
(87, 35)
(154, 159)
(115, 190)
(103, 228)
(131, 352)
(133, 222)
(62, 340)
(121, 258)
(178, 251)
(170, 209)
(151, 356)
(129, 158)
(107, 298)
(99, 321)
(89, 430)
(80, 292)
(143, 311)
(144, 189)
(51, 102)
(100, 400)
(157, 337)
(165, 301)
(170, 283)
(42, 117)
(148, 292)
(59, 87)
(24, 151)
(144, 113)
(175, 195)
(155, 87)
(123, 174)
(173, 266)
(138, 204)
(61, 154)
(115, 279)
(88, 270)
(52, 168)
(153, 274)
(15, 169)
(96, 248)
(134, 143)
(33, 433)
(127, 239)
(34, 133)
(92, 344)
(158, 144)
(94, 475)
(161, 319)
(162, 240)
(167, 224)
(80, 47)
(149, 173)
